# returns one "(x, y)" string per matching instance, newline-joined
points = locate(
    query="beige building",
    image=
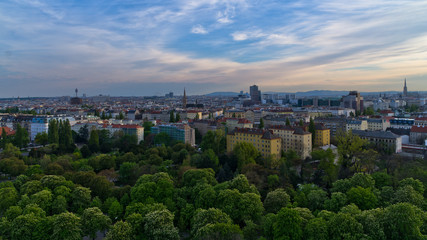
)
(234, 113)
(295, 139)
(356, 125)
(204, 126)
(233, 123)
(263, 140)
(378, 124)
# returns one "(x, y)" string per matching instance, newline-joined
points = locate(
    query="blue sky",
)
(127, 47)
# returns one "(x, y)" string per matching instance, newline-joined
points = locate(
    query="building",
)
(418, 135)
(184, 100)
(405, 90)
(235, 113)
(335, 124)
(129, 129)
(233, 123)
(76, 100)
(356, 125)
(382, 139)
(41, 125)
(264, 141)
(294, 139)
(378, 124)
(177, 132)
(353, 100)
(322, 135)
(405, 123)
(255, 94)
(204, 126)
(421, 121)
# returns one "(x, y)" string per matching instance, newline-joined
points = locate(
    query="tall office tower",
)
(405, 90)
(255, 94)
(353, 100)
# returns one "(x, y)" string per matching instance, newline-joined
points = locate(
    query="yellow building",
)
(234, 113)
(263, 140)
(295, 139)
(322, 135)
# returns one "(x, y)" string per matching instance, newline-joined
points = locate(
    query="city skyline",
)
(49, 48)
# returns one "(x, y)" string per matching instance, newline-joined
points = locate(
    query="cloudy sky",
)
(150, 47)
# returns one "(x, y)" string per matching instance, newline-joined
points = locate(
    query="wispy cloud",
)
(198, 29)
(280, 46)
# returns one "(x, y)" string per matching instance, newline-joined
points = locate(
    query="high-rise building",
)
(353, 100)
(405, 90)
(255, 94)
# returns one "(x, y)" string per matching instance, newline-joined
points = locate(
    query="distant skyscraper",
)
(184, 100)
(353, 100)
(255, 94)
(405, 90)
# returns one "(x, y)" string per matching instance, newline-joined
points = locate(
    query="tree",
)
(214, 140)
(120, 231)
(81, 198)
(261, 123)
(276, 200)
(224, 231)
(66, 226)
(9, 197)
(337, 201)
(349, 148)
(52, 133)
(171, 117)
(245, 153)
(177, 117)
(327, 165)
(162, 139)
(344, 226)
(402, 221)
(21, 138)
(288, 122)
(94, 141)
(159, 225)
(24, 227)
(316, 229)
(362, 197)
(202, 217)
(42, 138)
(409, 195)
(288, 224)
(208, 159)
(93, 220)
(312, 129)
(115, 210)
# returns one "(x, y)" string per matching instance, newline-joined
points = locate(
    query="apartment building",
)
(264, 141)
(294, 138)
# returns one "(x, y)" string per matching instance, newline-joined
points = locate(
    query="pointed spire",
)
(405, 89)
(184, 100)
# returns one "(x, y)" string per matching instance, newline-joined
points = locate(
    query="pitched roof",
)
(419, 129)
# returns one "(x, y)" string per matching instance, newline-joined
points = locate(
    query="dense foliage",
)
(113, 187)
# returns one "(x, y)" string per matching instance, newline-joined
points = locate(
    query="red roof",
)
(419, 129)
(126, 126)
(241, 121)
(421, 119)
(7, 130)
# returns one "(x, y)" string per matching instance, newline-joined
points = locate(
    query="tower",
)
(76, 91)
(184, 100)
(255, 94)
(405, 90)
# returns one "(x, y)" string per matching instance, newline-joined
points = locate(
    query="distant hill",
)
(224, 94)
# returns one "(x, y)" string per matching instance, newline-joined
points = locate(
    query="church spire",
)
(184, 100)
(405, 90)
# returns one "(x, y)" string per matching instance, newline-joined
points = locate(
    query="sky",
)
(151, 47)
